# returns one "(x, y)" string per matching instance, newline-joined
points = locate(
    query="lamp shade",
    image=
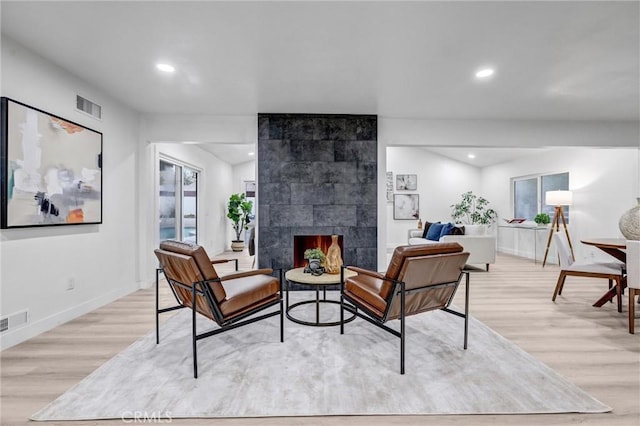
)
(558, 198)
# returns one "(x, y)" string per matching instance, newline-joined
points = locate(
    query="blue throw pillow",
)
(447, 229)
(434, 231)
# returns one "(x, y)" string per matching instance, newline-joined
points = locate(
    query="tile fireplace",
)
(304, 242)
(317, 176)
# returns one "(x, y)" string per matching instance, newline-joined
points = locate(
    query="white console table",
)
(525, 241)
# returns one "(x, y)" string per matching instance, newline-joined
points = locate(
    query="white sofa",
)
(481, 248)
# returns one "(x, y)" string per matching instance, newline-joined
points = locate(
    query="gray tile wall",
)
(317, 175)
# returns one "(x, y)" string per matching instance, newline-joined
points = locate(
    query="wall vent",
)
(14, 321)
(91, 108)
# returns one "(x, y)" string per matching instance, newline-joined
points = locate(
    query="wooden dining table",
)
(614, 247)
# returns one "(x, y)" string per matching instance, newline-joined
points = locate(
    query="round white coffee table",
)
(298, 275)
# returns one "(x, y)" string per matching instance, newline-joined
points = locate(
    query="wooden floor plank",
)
(589, 346)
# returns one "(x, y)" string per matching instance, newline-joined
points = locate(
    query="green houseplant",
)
(542, 219)
(239, 210)
(473, 210)
(314, 253)
(316, 258)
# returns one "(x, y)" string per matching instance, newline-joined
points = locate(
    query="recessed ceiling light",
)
(472, 156)
(251, 153)
(165, 67)
(485, 73)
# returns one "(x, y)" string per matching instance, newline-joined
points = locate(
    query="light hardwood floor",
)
(589, 346)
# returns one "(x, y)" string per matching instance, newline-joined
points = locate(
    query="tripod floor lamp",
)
(558, 199)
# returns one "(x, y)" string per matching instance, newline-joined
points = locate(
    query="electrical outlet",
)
(71, 283)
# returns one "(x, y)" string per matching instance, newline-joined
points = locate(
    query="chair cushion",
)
(370, 291)
(608, 268)
(401, 252)
(202, 260)
(247, 293)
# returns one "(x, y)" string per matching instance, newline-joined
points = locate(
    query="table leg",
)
(317, 305)
(609, 295)
(287, 294)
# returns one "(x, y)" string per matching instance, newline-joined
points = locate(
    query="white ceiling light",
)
(485, 73)
(251, 153)
(165, 67)
(472, 156)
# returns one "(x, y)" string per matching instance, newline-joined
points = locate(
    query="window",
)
(178, 202)
(529, 193)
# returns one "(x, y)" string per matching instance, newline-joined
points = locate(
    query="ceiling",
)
(553, 60)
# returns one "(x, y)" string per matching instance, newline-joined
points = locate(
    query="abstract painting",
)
(51, 169)
(406, 206)
(407, 182)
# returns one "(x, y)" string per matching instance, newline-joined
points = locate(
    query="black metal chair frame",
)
(159, 271)
(400, 291)
(201, 288)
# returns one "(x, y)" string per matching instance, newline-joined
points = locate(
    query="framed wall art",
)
(406, 182)
(389, 187)
(406, 206)
(51, 169)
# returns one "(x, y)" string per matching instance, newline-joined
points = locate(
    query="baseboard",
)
(22, 334)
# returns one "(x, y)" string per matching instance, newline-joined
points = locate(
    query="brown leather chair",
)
(228, 300)
(419, 278)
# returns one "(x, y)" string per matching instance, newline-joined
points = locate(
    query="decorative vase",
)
(333, 262)
(314, 267)
(629, 223)
(419, 223)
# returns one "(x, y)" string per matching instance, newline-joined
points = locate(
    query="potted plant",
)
(542, 219)
(239, 210)
(316, 258)
(473, 210)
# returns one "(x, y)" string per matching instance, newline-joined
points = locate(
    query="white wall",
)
(604, 182)
(37, 263)
(441, 181)
(241, 173)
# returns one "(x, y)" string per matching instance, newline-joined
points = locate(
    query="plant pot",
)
(237, 245)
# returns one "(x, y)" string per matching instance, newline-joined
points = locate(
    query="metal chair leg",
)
(193, 334)
(466, 310)
(402, 327)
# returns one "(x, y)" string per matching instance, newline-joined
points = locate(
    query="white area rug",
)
(247, 372)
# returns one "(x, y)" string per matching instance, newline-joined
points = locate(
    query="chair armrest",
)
(216, 261)
(264, 271)
(365, 272)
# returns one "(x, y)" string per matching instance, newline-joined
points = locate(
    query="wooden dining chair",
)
(633, 279)
(570, 267)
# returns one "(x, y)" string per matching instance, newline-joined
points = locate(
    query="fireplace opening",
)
(304, 242)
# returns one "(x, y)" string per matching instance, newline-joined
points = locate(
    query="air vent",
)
(14, 321)
(88, 107)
